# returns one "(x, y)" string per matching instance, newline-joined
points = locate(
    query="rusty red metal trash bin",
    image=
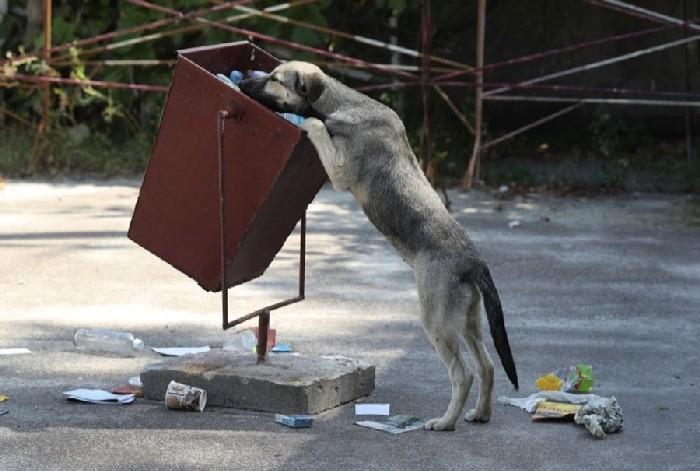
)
(270, 173)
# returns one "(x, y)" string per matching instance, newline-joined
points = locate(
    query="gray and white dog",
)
(363, 147)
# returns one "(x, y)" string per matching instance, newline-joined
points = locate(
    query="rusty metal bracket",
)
(263, 314)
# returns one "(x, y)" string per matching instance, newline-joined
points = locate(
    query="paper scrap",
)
(180, 351)
(529, 403)
(389, 426)
(14, 351)
(371, 409)
(98, 396)
(547, 410)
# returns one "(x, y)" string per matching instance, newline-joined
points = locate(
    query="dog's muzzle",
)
(253, 86)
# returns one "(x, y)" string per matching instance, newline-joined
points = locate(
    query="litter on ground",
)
(372, 409)
(98, 396)
(14, 351)
(105, 341)
(128, 389)
(282, 348)
(600, 416)
(529, 404)
(294, 421)
(575, 378)
(180, 351)
(550, 410)
(394, 425)
(185, 397)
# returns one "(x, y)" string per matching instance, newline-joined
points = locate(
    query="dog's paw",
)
(312, 125)
(439, 424)
(473, 416)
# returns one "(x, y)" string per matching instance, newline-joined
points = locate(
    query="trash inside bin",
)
(271, 172)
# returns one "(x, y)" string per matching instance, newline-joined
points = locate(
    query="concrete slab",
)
(294, 384)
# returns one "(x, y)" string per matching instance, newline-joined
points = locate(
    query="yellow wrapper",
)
(549, 382)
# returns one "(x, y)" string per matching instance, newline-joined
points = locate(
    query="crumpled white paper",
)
(529, 403)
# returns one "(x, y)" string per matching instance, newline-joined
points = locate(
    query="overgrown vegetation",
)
(107, 132)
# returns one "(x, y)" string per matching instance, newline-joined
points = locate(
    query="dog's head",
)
(291, 87)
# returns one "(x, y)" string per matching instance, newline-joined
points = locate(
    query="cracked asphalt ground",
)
(613, 281)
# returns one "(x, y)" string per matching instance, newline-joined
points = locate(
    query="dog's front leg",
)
(333, 161)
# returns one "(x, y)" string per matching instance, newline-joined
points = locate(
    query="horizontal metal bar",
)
(85, 83)
(532, 125)
(595, 65)
(646, 13)
(607, 101)
(269, 308)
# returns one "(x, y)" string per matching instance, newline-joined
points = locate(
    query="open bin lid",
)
(271, 172)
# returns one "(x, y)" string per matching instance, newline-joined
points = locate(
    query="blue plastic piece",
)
(227, 81)
(236, 76)
(256, 74)
(282, 348)
(293, 118)
(294, 421)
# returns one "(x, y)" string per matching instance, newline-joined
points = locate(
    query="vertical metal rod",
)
(263, 331)
(478, 98)
(46, 96)
(37, 147)
(302, 258)
(426, 142)
(221, 115)
(688, 118)
(399, 104)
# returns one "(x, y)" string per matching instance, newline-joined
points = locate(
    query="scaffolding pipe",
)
(598, 64)
(468, 179)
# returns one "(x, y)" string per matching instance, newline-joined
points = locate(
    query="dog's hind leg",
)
(440, 321)
(484, 366)
(331, 159)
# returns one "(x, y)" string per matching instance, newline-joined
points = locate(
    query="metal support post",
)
(478, 97)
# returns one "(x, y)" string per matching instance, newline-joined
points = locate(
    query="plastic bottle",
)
(243, 341)
(107, 341)
(293, 118)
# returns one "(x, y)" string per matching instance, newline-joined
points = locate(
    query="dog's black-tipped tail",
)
(494, 314)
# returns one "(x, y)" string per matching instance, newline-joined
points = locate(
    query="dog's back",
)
(398, 199)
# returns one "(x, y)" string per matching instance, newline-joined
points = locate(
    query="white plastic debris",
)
(14, 351)
(389, 427)
(107, 341)
(242, 341)
(180, 351)
(529, 403)
(513, 224)
(372, 409)
(98, 396)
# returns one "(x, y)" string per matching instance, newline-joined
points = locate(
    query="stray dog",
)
(363, 147)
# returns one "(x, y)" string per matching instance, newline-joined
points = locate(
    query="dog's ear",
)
(309, 85)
